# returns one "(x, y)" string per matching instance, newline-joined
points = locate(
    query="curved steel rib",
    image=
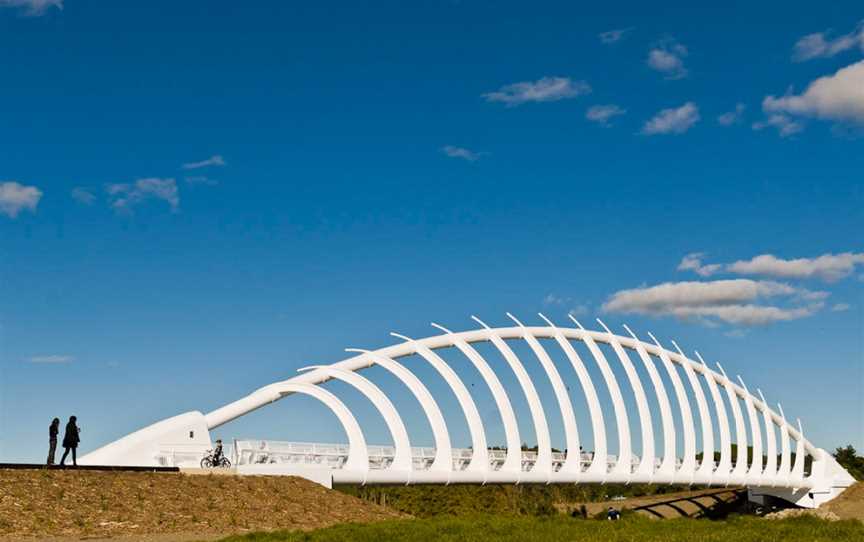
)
(479, 454)
(443, 452)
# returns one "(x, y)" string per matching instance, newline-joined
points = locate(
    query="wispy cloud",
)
(83, 195)
(124, 196)
(613, 36)
(785, 125)
(15, 197)
(575, 309)
(838, 97)
(215, 160)
(732, 117)
(673, 121)
(547, 89)
(822, 45)
(667, 57)
(603, 114)
(693, 262)
(579, 310)
(32, 8)
(461, 152)
(840, 307)
(732, 301)
(555, 299)
(827, 267)
(54, 358)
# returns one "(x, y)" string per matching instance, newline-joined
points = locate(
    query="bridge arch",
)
(787, 479)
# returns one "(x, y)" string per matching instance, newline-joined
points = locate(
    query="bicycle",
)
(211, 462)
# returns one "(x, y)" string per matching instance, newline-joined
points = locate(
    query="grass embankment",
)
(81, 503)
(488, 528)
(425, 501)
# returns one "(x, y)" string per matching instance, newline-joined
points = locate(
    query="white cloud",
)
(668, 58)
(820, 45)
(673, 121)
(554, 299)
(732, 117)
(613, 36)
(602, 114)
(460, 152)
(32, 7)
(83, 195)
(730, 301)
(215, 160)
(693, 262)
(124, 196)
(54, 358)
(840, 307)
(14, 197)
(547, 89)
(784, 124)
(828, 267)
(838, 97)
(579, 310)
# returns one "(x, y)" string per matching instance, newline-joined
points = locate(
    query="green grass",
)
(423, 501)
(488, 528)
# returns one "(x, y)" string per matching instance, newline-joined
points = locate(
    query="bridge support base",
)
(828, 480)
(183, 436)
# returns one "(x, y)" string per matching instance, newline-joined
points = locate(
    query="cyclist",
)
(217, 452)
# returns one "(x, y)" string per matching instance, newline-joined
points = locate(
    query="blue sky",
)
(198, 198)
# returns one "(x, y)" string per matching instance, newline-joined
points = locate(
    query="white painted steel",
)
(646, 466)
(725, 465)
(687, 470)
(541, 428)
(705, 473)
(667, 467)
(513, 462)
(444, 464)
(401, 443)
(754, 474)
(571, 433)
(623, 469)
(427, 402)
(739, 473)
(479, 455)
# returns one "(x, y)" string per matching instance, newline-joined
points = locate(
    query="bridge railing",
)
(313, 454)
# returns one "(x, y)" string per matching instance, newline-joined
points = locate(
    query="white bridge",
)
(184, 438)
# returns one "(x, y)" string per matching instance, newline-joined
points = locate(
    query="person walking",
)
(70, 441)
(53, 431)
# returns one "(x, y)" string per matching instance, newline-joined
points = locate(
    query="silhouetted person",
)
(53, 431)
(71, 440)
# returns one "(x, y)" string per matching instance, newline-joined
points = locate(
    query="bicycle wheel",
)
(206, 463)
(224, 463)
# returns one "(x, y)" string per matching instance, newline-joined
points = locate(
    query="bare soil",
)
(850, 503)
(74, 505)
